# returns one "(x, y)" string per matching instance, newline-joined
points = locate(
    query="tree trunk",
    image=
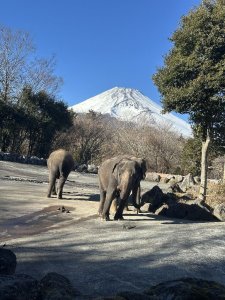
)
(223, 172)
(204, 168)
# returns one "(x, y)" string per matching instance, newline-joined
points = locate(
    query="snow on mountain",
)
(131, 105)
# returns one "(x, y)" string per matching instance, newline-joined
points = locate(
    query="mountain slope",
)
(131, 105)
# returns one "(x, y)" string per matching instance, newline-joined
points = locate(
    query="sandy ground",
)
(100, 258)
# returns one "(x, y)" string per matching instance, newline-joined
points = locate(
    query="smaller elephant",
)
(60, 163)
(118, 177)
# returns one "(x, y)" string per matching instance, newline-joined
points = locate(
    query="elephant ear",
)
(118, 168)
(143, 165)
(144, 168)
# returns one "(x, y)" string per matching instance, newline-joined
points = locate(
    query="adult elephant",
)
(118, 178)
(60, 163)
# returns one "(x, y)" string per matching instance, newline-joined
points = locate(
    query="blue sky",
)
(100, 44)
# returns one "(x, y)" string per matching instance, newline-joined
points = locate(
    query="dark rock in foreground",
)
(56, 287)
(187, 289)
(7, 262)
(155, 197)
(193, 212)
(18, 287)
(133, 296)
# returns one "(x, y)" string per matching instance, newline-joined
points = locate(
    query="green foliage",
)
(192, 80)
(191, 157)
(29, 126)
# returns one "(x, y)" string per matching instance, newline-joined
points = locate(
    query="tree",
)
(192, 80)
(86, 138)
(19, 67)
(45, 117)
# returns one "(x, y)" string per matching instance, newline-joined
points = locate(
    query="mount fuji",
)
(131, 105)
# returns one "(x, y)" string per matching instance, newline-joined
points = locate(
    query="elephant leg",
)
(51, 184)
(60, 185)
(136, 197)
(126, 207)
(54, 189)
(102, 201)
(110, 195)
(119, 212)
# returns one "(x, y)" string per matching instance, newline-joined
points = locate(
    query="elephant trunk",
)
(125, 186)
(136, 195)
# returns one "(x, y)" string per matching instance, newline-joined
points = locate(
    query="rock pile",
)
(54, 286)
(24, 159)
(171, 206)
(24, 287)
(176, 183)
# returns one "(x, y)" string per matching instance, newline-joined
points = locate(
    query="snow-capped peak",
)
(131, 105)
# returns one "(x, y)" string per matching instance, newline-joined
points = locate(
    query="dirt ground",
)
(100, 258)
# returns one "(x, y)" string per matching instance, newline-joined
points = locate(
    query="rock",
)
(145, 207)
(14, 157)
(155, 197)
(92, 169)
(187, 182)
(187, 289)
(161, 211)
(174, 187)
(193, 212)
(173, 211)
(175, 179)
(7, 262)
(134, 296)
(166, 180)
(56, 287)
(109, 298)
(18, 287)
(197, 180)
(179, 178)
(82, 168)
(219, 211)
(152, 177)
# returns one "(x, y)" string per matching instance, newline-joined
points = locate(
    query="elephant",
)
(118, 177)
(60, 163)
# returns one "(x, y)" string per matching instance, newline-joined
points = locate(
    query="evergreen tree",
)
(192, 80)
(46, 117)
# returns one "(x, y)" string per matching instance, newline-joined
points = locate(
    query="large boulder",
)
(56, 287)
(92, 169)
(187, 289)
(152, 177)
(193, 212)
(18, 287)
(7, 262)
(174, 187)
(155, 197)
(82, 168)
(197, 180)
(187, 183)
(219, 211)
(131, 296)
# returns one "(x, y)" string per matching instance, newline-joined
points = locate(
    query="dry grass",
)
(215, 194)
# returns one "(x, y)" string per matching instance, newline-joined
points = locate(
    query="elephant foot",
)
(49, 196)
(104, 218)
(116, 218)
